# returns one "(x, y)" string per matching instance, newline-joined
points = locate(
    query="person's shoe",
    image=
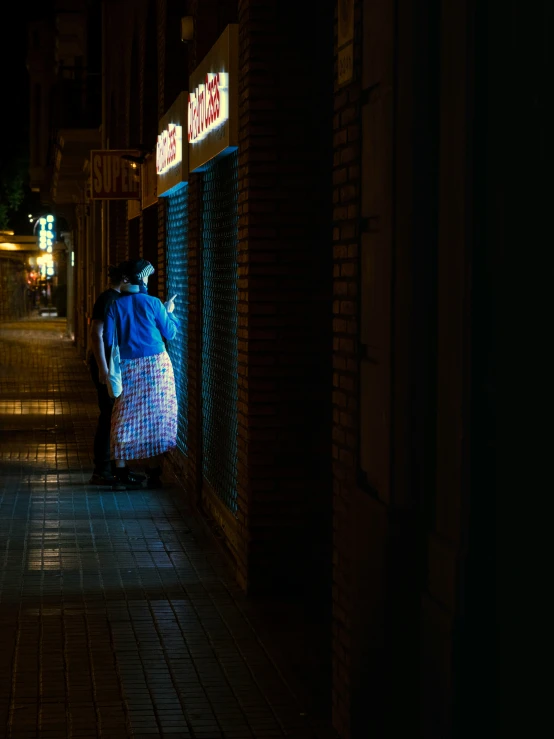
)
(154, 478)
(106, 479)
(128, 479)
(135, 476)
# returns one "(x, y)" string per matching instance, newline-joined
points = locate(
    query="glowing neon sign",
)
(46, 233)
(169, 148)
(208, 107)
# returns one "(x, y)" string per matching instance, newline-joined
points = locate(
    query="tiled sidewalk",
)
(118, 617)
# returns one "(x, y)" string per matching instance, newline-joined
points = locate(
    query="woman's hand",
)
(103, 374)
(170, 304)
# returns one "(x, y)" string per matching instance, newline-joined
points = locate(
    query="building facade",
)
(323, 246)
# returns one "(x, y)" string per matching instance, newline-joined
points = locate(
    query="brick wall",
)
(345, 393)
(376, 551)
(173, 54)
(376, 555)
(399, 320)
(123, 121)
(172, 78)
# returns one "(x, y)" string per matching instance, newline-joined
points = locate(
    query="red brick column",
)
(193, 480)
(346, 245)
(161, 35)
(284, 306)
(161, 48)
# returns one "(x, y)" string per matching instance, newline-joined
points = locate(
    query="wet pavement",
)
(119, 616)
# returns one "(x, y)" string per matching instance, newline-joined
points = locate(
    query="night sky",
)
(14, 84)
(14, 81)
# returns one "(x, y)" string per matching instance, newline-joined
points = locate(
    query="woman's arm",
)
(166, 322)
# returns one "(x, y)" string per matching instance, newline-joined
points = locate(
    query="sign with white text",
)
(213, 102)
(169, 148)
(208, 106)
(171, 162)
(112, 176)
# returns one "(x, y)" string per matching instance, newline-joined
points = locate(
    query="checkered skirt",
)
(144, 417)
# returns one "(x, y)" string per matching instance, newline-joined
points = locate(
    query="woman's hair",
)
(136, 269)
(115, 275)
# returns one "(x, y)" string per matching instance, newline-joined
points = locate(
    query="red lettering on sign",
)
(169, 150)
(208, 106)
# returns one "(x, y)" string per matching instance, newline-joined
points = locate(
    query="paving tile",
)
(117, 617)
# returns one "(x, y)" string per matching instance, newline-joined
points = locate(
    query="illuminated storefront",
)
(213, 151)
(171, 168)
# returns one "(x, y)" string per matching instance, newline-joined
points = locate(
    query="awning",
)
(10, 242)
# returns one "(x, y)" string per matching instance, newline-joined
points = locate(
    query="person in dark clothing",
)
(98, 359)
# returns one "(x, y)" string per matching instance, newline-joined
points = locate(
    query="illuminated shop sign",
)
(169, 148)
(115, 175)
(208, 106)
(46, 233)
(171, 170)
(213, 102)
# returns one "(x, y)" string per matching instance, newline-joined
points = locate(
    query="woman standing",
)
(144, 417)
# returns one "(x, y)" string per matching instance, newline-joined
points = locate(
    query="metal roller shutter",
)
(177, 283)
(219, 328)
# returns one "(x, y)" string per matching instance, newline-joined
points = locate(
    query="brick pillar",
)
(193, 479)
(117, 126)
(141, 237)
(172, 79)
(161, 39)
(121, 242)
(345, 235)
(284, 302)
(161, 45)
(174, 66)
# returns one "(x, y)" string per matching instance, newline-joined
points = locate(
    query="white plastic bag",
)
(115, 387)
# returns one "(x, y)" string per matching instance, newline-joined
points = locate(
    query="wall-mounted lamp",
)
(187, 28)
(135, 161)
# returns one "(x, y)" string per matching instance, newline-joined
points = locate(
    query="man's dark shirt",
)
(103, 303)
(100, 311)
